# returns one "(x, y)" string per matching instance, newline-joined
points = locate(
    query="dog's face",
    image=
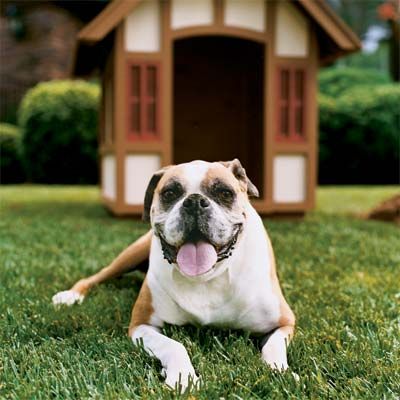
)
(197, 210)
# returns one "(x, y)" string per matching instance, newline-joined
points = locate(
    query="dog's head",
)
(197, 210)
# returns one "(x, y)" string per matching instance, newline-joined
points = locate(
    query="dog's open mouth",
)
(197, 255)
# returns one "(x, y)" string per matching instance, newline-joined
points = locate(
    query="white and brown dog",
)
(211, 263)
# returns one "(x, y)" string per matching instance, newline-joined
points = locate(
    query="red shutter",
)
(291, 104)
(143, 103)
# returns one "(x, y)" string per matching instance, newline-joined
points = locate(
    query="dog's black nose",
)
(195, 202)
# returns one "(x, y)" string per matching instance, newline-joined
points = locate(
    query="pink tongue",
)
(196, 259)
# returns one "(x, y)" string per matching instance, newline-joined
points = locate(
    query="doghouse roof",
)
(337, 38)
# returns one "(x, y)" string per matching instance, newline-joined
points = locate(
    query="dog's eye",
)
(169, 195)
(225, 194)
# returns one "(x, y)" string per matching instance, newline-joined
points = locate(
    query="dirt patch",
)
(388, 210)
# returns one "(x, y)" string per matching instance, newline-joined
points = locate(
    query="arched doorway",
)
(218, 101)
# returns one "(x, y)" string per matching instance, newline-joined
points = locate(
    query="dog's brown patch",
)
(143, 308)
(218, 171)
(128, 260)
(287, 317)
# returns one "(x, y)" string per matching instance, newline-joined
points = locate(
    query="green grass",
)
(354, 200)
(339, 273)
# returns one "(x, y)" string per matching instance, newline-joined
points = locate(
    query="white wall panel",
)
(108, 177)
(248, 14)
(142, 27)
(186, 13)
(289, 179)
(138, 171)
(291, 36)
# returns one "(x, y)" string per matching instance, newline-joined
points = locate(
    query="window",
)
(291, 121)
(143, 101)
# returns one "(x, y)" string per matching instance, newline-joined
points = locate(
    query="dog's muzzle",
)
(198, 253)
(223, 252)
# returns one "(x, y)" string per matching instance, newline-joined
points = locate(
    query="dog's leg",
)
(273, 351)
(177, 367)
(137, 252)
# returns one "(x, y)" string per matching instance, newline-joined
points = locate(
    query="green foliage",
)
(336, 81)
(359, 128)
(10, 160)
(59, 121)
(339, 274)
(377, 60)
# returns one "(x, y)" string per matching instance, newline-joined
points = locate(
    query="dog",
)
(210, 263)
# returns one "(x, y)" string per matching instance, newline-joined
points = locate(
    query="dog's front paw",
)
(278, 363)
(180, 378)
(67, 297)
(275, 357)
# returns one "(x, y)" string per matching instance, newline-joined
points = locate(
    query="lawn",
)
(340, 274)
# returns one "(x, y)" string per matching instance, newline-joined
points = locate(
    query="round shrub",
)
(359, 136)
(10, 160)
(59, 122)
(336, 81)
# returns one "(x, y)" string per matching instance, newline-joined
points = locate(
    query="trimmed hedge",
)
(337, 81)
(10, 158)
(59, 123)
(359, 136)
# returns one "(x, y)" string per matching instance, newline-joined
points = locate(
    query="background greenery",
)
(59, 124)
(339, 273)
(359, 139)
(334, 82)
(10, 157)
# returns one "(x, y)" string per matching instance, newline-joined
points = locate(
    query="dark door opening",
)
(218, 102)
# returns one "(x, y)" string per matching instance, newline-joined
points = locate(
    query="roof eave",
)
(334, 56)
(107, 20)
(337, 30)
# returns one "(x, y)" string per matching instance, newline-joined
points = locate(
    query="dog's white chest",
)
(226, 304)
(209, 302)
(239, 302)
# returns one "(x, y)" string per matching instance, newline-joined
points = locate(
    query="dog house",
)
(211, 80)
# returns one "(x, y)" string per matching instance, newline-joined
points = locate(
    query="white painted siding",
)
(108, 177)
(138, 171)
(292, 31)
(289, 178)
(247, 14)
(142, 27)
(186, 13)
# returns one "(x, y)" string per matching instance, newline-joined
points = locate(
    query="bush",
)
(359, 136)
(336, 81)
(59, 122)
(10, 160)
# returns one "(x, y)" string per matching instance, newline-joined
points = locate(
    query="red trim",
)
(292, 103)
(143, 99)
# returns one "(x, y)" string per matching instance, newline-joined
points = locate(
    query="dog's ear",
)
(240, 174)
(148, 197)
